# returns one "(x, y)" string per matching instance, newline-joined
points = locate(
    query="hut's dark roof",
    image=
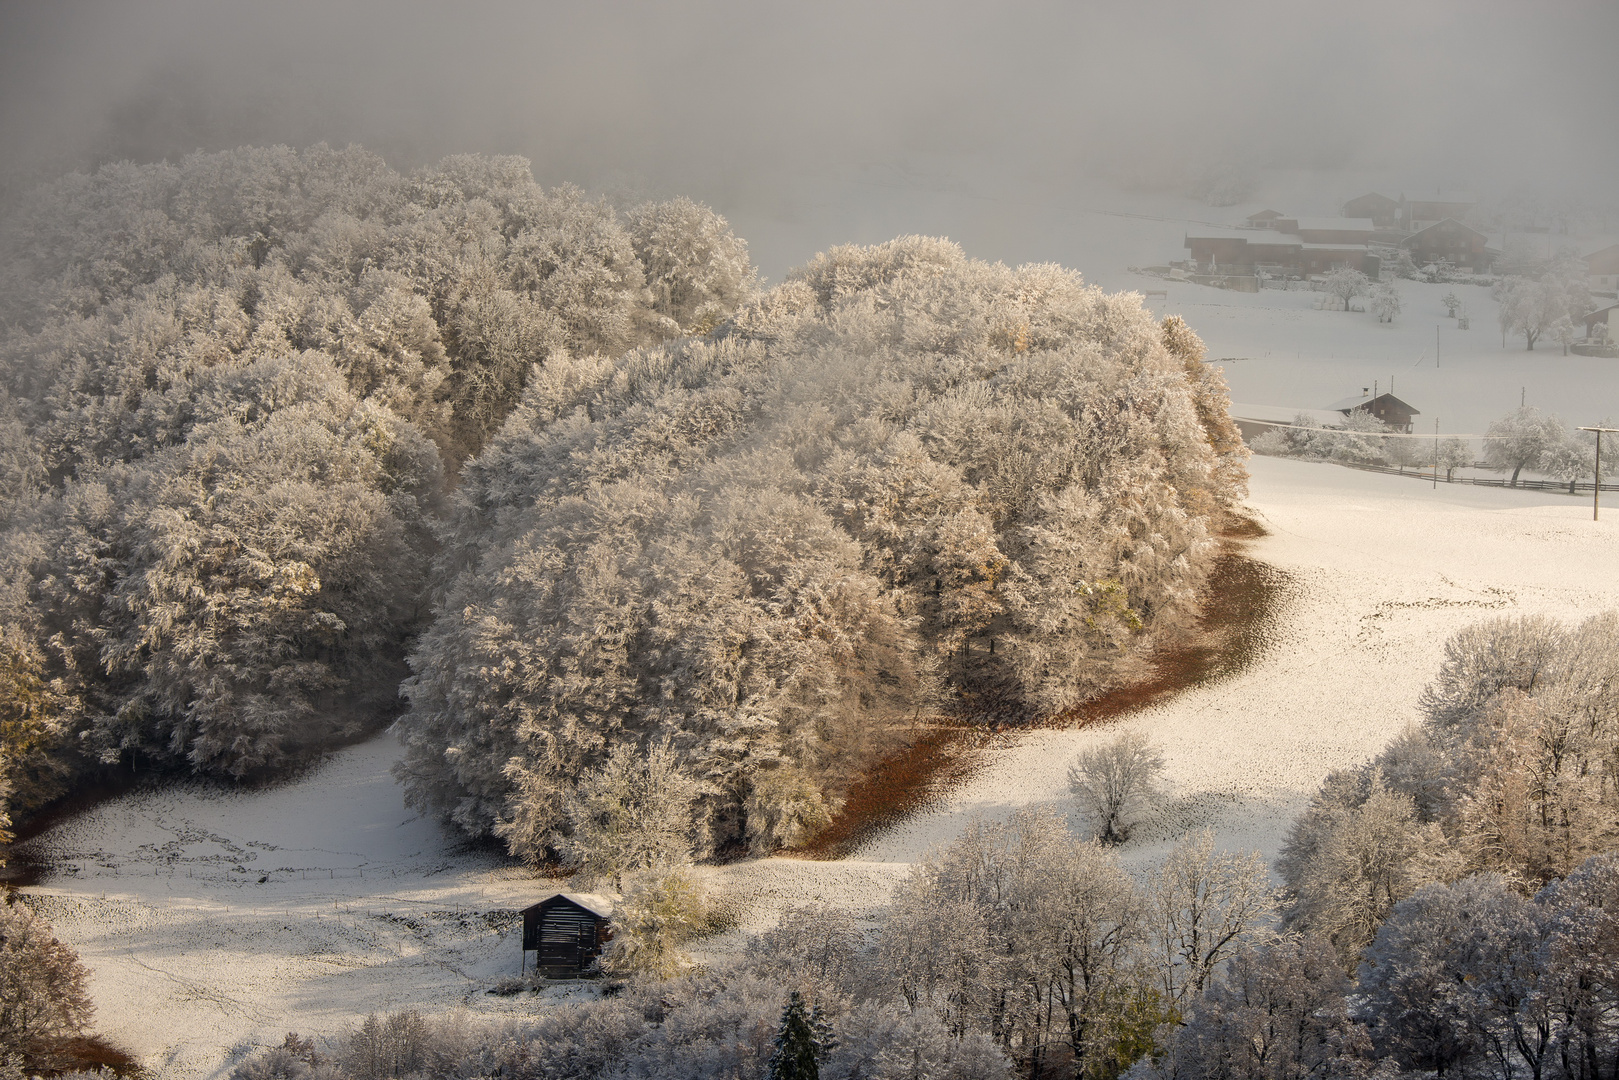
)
(595, 903)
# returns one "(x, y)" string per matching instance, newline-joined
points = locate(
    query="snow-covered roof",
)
(1342, 245)
(1443, 221)
(1336, 224)
(595, 903)
(1215, 232)
(1264, 237)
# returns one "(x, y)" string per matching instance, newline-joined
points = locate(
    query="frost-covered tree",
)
(1549, 303)
(660, 912)
(1522, 439)
(697, 270)
(815, 947)
(1569, 459)
(1022, 932)
(1115, 782)
(632, 815)
(1204, 906)
(1454, 453)
(1344, 285)
(228, 385)
(1384, 301)
(44, 1001)
(1356, 852)
(1453, 977)
(1279, 1011)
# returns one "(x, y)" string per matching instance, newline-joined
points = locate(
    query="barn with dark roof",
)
(566, 933)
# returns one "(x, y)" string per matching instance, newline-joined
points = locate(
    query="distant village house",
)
(1382, 211)
(1603, 270)
(1387, 409)
(1410, 215)
(1461, 245)
(1287, 247)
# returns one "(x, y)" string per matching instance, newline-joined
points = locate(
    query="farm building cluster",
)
(1373, 229)
(1390, 411)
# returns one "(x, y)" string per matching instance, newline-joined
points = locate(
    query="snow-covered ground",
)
(1278, 349)
(215, 921)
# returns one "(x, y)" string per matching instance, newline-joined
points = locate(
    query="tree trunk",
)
(1515, 473)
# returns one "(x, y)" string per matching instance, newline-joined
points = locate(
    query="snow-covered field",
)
(217, 921)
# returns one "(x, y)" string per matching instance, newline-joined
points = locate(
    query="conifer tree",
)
(794, 1058)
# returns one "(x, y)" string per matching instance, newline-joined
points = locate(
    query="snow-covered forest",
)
(235, 391)
(900, 479)
(269, 415)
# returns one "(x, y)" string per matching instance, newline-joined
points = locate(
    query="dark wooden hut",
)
(566, 933)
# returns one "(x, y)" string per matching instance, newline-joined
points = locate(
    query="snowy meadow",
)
(367, 906)
(663, 561)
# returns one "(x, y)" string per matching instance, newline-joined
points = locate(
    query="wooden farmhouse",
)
(1382, 211)
(1418, 214)
(1267, 219)
(1393, 413)
(1603, 270)
(1450, 239)
(566, 933)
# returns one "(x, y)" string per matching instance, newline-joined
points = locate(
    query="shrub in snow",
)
(659, 913)
(1384, 302)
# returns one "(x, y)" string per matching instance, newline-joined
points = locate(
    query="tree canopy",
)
(902, 479)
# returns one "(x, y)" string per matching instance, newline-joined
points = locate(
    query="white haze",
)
(809, 125)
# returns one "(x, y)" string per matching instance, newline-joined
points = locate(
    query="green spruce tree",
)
(794, 1058)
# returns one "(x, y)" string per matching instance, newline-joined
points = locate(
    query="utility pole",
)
(1436, 346)
(1436, 453)
(1596, 479)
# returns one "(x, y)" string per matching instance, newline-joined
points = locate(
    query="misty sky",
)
(768, 110)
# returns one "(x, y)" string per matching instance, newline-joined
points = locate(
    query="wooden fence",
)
(1559, 486)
